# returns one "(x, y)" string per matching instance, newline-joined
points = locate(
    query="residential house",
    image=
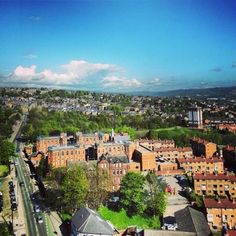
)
(88, 222)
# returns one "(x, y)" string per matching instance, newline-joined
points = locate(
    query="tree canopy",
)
(132, 193)
(7, 151)
(74, 188)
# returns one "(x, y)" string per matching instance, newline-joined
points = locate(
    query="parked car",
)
(22, 183)
(39, 219)
(10, 183)
(36, 208)
(14, 206)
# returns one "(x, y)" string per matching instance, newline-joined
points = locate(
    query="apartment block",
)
(154, 145)
(195, 165)
(43, 143)
(221, 212)
(59, 156)
(203, 148)
(146, 158)
(215, 184)
(195, 117)
(173, 153)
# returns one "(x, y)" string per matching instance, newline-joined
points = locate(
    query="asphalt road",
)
(34, 228)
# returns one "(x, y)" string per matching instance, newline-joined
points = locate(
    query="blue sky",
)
(118, 45)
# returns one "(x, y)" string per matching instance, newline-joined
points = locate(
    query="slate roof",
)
(88, 221)
(191, 220)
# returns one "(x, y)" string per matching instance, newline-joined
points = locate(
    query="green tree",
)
(156, 198)
(7, 151)
(99, 185)
(74, 188)
(132, 193)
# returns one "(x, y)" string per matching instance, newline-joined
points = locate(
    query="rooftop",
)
(225, 176)
(200, 159)
(222, 203)
(55, 148)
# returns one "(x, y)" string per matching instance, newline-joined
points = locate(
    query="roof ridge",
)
(86, 221)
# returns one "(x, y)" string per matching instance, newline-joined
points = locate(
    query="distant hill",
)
(218, 92)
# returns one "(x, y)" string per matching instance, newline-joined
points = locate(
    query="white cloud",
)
(120, 82)
(74, 72)
(24, 72)
(155, 81)
(35, 18)
(30, 56)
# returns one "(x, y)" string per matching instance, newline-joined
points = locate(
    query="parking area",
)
(176, 199)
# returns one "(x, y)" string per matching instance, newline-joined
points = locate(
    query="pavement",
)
(175, 201)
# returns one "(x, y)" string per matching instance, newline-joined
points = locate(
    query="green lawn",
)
(121, 221)
(3, 170)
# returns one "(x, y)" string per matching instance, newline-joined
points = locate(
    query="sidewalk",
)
(55, 222)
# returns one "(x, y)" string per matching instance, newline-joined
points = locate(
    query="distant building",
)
(195, 117)
(221, 213)
(203, 148)
(229, 127)
(88, 222)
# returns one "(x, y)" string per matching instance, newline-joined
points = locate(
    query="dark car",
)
(10, 183)
(14, 206)
(12, 194)
(22, 184)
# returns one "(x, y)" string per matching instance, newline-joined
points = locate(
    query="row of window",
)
(62, 153)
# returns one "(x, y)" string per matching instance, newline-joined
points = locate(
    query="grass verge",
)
(4, 170)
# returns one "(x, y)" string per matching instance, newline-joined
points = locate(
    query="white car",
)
(39, 219)
(36, 208)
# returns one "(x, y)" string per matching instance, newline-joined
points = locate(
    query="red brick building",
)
(60, 156)
(117, 167)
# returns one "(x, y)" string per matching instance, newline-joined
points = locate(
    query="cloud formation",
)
(30, 56)
(120, 82)
(34, 18)
(76, 72)
(155, 81)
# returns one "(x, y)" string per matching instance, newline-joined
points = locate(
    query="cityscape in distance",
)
(117, 118)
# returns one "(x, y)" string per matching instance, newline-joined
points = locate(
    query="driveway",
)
(176, 200)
